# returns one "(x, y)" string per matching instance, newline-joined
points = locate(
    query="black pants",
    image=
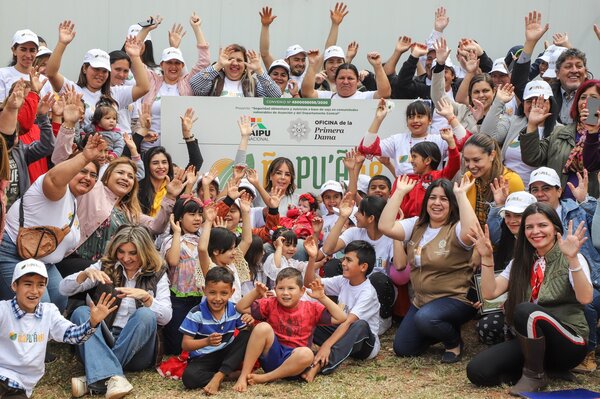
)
(383, 286)
(11, 393)
(172, 336)
(358, 343)
(503, 363)
(201, 370)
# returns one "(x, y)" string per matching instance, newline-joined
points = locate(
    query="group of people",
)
(110, 244)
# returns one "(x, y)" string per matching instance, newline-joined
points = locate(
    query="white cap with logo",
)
(551, 55)
(25, 36)
(245, 183)
(537, 88)
(333, 186)
(293, 50)
(499, 66)
(171, 53)
(333, 51)
(280, 63)
(517, 202)
(546, 175)
(43, 50)
(28, 266)
(97, 59)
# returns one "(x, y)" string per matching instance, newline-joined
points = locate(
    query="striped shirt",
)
(200, 323)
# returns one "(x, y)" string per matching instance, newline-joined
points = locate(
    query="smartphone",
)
(146, 23)
(593, 104)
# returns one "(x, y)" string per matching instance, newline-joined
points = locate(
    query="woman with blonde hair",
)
(133, 269)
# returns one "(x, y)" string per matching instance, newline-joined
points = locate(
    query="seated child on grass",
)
(26, 326)
(357, 336)
(209, 334)
(282, 341)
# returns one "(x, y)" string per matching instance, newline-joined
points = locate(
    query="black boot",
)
(534, 377)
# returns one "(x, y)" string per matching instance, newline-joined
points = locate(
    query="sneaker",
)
(588, 364)
(79, 386)
(384, 325)
(117, 387)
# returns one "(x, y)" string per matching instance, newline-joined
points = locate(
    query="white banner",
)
(314, 133)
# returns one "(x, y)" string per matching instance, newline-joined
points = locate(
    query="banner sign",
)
(314, 134)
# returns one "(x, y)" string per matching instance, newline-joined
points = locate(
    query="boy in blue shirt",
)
(209, 334)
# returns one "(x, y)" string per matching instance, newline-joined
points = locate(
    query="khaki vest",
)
(445, 269)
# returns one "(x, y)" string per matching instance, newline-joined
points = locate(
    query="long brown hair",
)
(488, 145)
(524, 258)
(129, 202)
(277, 162)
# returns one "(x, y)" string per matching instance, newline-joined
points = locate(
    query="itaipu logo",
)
(258, 128)
(299, 130)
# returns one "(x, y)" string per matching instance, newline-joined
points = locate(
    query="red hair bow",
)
(308, 197)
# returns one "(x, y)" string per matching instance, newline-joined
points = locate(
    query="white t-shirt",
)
(582, 261)
(384, 246)
(166, 90)
(514, 161)
(23, 342)
(121, 94)
(359, 95)
(328, 222)
(360, 300)
(232, 88)
(271, 270)
(397, 148)
(40, 211)
(8, 76)
(409, 224)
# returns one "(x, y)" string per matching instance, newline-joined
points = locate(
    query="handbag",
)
(38, 241)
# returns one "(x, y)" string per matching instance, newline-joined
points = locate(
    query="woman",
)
(280, 175)
(133, 269)
(25, 45)
(548, 284)
(506, 129)
(481, 156)
(51, 201)
(279, 71)
(346, 80)
(237, 73)
(439, 252)
(94, 77)
(569, 149)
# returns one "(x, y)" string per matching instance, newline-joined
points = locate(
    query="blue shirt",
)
(200, 323)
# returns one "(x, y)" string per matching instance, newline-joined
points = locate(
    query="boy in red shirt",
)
(282, 341)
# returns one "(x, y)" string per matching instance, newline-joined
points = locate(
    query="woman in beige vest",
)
(548, 284)
(439, 253)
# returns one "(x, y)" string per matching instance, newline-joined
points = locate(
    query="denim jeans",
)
(133, 350)
(8, 260)
(437, 321)
(592, 313)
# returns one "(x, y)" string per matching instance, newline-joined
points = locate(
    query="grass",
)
(386, 376)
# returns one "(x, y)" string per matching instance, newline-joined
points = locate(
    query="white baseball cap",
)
(97, 58)
(517, 202)
(537, 88)
(552, 57)
(29, 266)
(293, 50)
(499, 66)
(546, 175)
(280, 63)
(448, 63)
(171, 53)
(333, 51)
(135, 29)
(244, 183)
(43, 50)
(25, 36)
(333, 186)
(363, 183)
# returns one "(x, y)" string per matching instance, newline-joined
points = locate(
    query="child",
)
(104, 121)
(286, 242)
(26, 326)
(209, 334)
(282, 342)
(357, 336)
(180, 250)
(254, 257)
(380, 186)
(300, 218)
(397, 147)
(425, 159)
(331, 195)
(217, 246)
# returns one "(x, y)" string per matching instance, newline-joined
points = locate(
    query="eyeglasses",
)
(86, 172)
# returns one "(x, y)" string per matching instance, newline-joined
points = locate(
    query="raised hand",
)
(209, 213)
(58, 107)
(481, 240)
(175, 225)
(317, 224)
(233, 191)
(538, 114)
(72, 109)
(505, 93)
(187, 121)
(471, 62)
(17, 97)
(253, 63)
(403, 44)
(66, 32)
(338, 13)
(252, 177)
(278, 243)
(195, 20)
(275, 197)
(46, 103)
(404, 184)
(293, 87)
(311, 247)
(374, 58)
(382, 109)
(573, 241)
(352, 50)
(317, 290)
(219, 222)
(464, 186)
(447, 135)
(266, 16)
(176, 33)
(442, 51)
(581, 191)
(245, 202)
(260, 289)
(156, 20)
(445, 109)
(224, 58)
(441, 19)
(245, 126)
(175, 186)
(561, 40)
(418, 50)
(347, 205)
(534, 30)
(34, 80)
(313, 56)
(133, 47)
(94, 147)
(238, 172)
(145, 116)
(500, 190)
(477, 110)
(103, 308)
(349, 160)
(191, 175)
(597, 31)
